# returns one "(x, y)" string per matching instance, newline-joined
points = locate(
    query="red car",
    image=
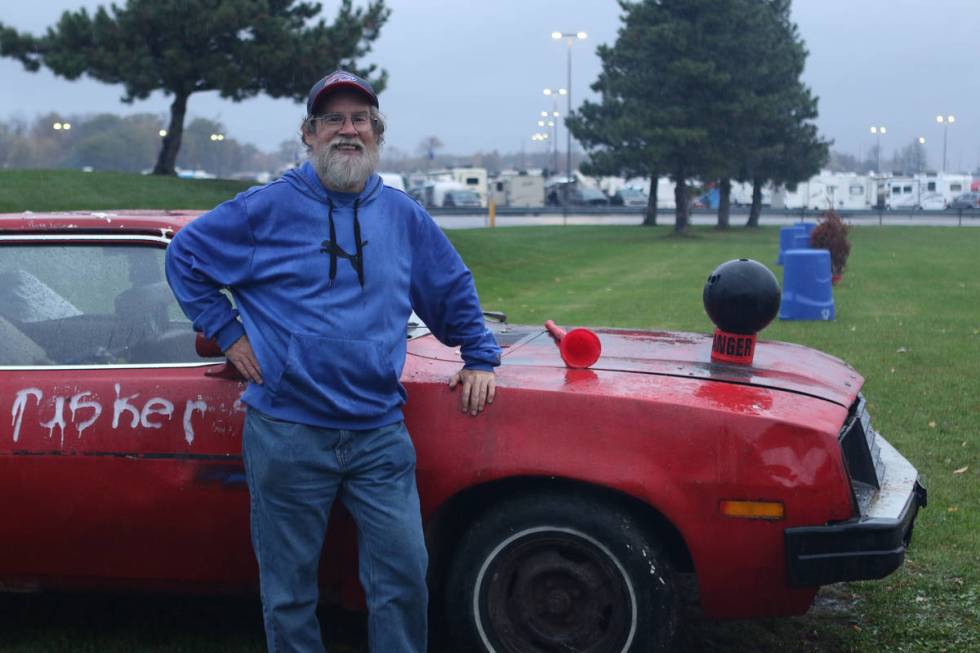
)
(557, 520)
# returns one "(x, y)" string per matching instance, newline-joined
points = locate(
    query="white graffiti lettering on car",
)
(122, 404)
(58, 419)
(192, 405)
(20, 405)
(154, 414)
(77, 403)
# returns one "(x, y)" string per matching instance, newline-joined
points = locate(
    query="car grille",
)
(862, 454)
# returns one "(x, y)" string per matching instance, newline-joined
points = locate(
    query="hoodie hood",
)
(306, 181)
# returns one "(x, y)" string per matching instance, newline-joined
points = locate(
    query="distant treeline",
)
(109, 142)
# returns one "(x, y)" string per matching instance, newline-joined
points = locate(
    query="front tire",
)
(550, 573)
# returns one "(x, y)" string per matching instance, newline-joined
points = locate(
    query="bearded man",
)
(325, 266)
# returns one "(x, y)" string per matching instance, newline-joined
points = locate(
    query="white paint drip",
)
(20, 405)
(189, 410)
(78, 403)
(57, 420)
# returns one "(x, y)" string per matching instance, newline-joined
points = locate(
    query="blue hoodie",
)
(331, 341)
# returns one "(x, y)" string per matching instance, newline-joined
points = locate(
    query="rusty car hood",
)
(777, 365)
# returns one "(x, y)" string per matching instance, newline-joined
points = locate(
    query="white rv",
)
(940, 189)
(828, 190)
(474, 179)
(665, 189)
(518, 189)
(393, 179)
(433, 193)
(903, 193)
(742, 194)
(928, 191)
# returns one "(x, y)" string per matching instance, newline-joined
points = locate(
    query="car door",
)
(120, 450)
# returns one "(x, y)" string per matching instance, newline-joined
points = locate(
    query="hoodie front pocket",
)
(345, 378)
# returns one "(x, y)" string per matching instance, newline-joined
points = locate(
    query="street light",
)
(945, 121)
(163, 132)
(570, 38)
(59, 126)
(878, 132)
(216, 138)
(554, 93)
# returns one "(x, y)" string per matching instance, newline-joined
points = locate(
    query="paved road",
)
(476, 221)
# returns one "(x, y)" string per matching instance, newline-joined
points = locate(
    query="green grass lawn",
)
(908, 318)
(71, 190)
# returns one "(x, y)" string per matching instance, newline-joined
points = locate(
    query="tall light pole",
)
(878, 132)
(945, 121)
(550, 118)
(216, 138)
(570, 38)
(553, 93)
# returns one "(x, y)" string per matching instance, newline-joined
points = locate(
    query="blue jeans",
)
(294, 472)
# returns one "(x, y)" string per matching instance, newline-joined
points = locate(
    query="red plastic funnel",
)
(579, 348)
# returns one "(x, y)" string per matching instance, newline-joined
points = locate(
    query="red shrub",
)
(831, 234)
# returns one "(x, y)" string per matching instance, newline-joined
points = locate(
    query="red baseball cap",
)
(339, 79)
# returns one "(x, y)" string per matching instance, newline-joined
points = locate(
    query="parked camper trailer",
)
(393, 179)
(518, 189)
(924, 191)
(742, 194)
(474, 179)
(829, 190)
(433, 193)
(948, 186)
(665, 188)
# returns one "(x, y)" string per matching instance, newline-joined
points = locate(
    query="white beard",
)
(343, 171)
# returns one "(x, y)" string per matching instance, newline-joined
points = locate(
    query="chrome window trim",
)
(85, 237)
(90, 238)
(110, 366)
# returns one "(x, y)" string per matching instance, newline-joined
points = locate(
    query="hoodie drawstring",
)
(358, 244)
(331, 246)
(333, 239)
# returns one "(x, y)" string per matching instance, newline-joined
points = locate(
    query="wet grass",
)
(73, 190)
(908, 318)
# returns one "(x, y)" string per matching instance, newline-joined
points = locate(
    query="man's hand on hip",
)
(243, 358)
(476, 391)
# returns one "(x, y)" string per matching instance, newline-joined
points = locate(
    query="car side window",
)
(89, 304)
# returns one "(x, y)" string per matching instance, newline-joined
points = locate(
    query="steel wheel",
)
(557, 574)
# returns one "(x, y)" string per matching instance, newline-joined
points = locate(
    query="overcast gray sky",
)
(472, 72)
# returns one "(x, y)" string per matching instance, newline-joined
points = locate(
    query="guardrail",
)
(547, 215)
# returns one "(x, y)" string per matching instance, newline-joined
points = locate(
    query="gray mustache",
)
(346, 141)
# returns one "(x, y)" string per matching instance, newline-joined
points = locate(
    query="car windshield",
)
(592, 194)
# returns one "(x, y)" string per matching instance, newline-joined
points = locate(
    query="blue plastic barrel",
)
(795, 236)
(807, 293)
(787, 240)
(801, 239)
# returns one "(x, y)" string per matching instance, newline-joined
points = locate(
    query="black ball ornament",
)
(741, 296)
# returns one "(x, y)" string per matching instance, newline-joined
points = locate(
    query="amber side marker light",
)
(753, 509)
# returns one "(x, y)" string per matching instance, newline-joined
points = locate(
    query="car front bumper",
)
(871, 546)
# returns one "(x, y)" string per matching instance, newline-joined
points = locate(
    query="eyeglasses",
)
(361, 120)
